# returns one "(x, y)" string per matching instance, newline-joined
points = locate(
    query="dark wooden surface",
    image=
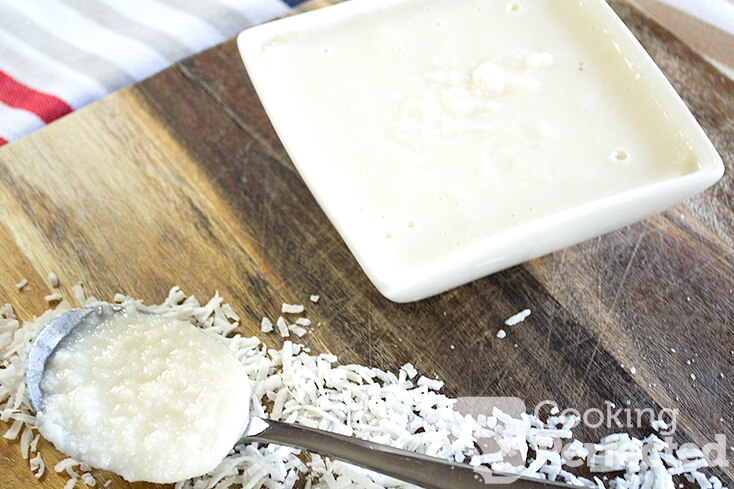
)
(181, 180)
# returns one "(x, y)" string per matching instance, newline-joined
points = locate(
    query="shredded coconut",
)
(355, 400)
(314, 298)
(432, 384)
(79, 293)
(409, 370)
(501, 334)
(55, 297)
(282, 327)
(23, 282)
(266, 325)
(292, 308)
(53, 280)
(517, 318)
(297, 330)
(88, 479)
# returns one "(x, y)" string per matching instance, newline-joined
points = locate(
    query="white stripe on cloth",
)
(131, 56)
(15, 123)
(42, 73)
(107, 74)
(257, 11)
(718, 13)
(54, 48)
(187, 29)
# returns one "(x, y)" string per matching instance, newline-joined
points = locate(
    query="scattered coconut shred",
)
(295, 386)
(517, 318)
(53, 280)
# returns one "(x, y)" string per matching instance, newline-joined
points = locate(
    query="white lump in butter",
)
(148, 397)
(488, 78)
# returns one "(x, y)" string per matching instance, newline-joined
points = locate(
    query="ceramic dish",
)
(365, 94)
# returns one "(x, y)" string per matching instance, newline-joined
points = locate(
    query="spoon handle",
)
(415, 468)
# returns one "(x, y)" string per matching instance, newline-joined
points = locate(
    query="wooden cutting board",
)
(181, 180)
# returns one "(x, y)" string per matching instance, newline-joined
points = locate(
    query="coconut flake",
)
(37, 466)
(53, 280)
(292, 308)
(517, 318)
(282, 327)
(432, 384)
(79, 294)
(410, 370)
(297, 330)
(266, 325)
(55, 297)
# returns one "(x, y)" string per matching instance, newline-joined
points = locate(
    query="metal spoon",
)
(428, 472)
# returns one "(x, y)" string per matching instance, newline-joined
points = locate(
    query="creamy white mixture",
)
(145, 396)
(438, 123)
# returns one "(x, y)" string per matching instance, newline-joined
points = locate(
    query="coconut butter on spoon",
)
(149, 397)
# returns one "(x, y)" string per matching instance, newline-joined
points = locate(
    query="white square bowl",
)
(511, 246)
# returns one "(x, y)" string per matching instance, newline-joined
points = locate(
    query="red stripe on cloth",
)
(15, 94)
(3, 141)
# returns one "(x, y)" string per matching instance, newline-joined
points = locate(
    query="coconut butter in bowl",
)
(447, 140)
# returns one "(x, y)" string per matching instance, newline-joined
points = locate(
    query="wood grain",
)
(181, 180)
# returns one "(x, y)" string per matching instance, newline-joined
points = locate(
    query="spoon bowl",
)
(49, 338)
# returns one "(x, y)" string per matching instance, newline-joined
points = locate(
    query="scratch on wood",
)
(252, 132)
(614, 300)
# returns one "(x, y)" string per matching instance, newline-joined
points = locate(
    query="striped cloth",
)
(59, 55)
